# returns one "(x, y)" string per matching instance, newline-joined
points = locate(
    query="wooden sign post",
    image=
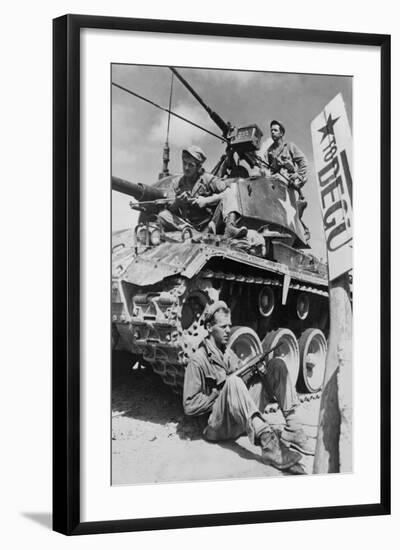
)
(334, 439)
(332, 144)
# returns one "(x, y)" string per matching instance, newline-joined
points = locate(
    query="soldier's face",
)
(221, 329)
(276, 132)
(189, 166)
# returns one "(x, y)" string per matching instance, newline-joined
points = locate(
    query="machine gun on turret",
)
(225, 127)
(244, 141)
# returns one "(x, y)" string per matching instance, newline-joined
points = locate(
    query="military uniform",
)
(205, 186)
(182, 211)
(287, 159)
(211, 388)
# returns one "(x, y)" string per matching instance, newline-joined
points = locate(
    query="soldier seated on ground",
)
(196, 195)
(212, 388)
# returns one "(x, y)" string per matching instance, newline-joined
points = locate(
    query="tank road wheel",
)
(244, 342)
(313, 349)
(303, 306)
(266, 301)
(288, 349)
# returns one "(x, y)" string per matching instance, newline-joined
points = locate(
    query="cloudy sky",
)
(241, 97)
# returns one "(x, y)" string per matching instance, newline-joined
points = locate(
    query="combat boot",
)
(298, 440)
(231, 229)
(276, 454)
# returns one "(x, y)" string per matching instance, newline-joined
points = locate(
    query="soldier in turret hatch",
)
(289, 163)
(285, 158)
(197, 193)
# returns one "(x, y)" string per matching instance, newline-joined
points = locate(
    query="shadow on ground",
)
(238, 449)
(139, 393)
(42, 518)
(151, 433)
(154, 442)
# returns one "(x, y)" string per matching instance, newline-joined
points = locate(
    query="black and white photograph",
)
(232, 259)
(200, 275)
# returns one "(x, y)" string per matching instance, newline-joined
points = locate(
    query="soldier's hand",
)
(182, 198)
(201, 202)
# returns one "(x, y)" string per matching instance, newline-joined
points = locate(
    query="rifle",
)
(255, 366)
(284, 177)
(250, 369)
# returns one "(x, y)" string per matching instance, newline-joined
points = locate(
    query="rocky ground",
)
(153, 441)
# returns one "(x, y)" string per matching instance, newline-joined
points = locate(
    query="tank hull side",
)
(187, 259)
(160, 296)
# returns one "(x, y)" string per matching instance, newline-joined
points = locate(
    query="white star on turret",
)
(290, 211)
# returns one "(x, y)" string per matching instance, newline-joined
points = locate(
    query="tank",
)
(276, 289)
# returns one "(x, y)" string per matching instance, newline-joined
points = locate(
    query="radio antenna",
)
(165, 158)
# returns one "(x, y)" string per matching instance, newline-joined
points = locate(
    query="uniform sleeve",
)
(300, 161)
(216, 185)
(174, 206)
(233, 362)
(195, 400)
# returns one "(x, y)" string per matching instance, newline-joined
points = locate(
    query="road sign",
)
(333, 155)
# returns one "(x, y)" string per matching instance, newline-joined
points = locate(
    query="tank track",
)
(272, 408)
(261, 281)
(156, 321)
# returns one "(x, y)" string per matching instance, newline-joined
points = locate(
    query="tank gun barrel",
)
(222, 125)
(139, 191)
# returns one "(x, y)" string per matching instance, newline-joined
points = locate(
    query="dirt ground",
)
(153, 441)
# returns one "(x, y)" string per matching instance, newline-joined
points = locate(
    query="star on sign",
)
(288, 208)
(328, 128)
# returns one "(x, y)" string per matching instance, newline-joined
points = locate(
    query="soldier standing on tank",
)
(286, 160)
(197, 193)
(211, 388)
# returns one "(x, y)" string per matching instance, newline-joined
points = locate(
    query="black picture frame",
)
(66, 272)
